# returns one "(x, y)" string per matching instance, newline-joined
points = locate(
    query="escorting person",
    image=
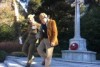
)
(48, 33)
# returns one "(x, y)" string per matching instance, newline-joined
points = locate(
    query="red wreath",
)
(74, 46)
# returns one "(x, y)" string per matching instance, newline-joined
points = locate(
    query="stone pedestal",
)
(78, 56)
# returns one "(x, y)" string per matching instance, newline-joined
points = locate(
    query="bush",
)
(7, 32)
(98, 56)
(10, 46)
(18, 54)
(3, 55)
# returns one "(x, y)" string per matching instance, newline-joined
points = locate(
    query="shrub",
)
(19, 54)
(3, 55)
(98, 56)
(6, 32)
(10, 46)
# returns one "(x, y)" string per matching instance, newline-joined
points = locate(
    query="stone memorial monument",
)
(77, 45)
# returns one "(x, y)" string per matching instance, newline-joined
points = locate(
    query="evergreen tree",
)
(90, 28)
(33, 6)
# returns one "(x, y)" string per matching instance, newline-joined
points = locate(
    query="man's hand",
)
(52, 44)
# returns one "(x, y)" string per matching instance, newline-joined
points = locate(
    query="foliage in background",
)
(3, 55)
(6, 21)
(7, 33)
(19, 54)
(33, 6)
(6, 13)
(90, 24)
(10, 46)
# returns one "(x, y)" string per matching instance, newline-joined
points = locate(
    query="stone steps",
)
(12, 61)
(2, 65)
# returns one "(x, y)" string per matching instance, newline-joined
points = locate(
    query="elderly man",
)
(49, 39)
(31, 39)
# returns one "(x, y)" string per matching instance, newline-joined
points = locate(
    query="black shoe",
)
(28, 65)
(43, 63)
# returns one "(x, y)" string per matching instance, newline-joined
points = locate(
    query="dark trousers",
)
(29, 47)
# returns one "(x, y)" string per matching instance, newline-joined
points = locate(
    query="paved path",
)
(12, 61)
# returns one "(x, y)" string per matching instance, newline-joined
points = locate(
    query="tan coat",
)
(52, 32)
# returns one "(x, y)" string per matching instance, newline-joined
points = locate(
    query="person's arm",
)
(38, 25)
(28, 34)
(39, 35)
